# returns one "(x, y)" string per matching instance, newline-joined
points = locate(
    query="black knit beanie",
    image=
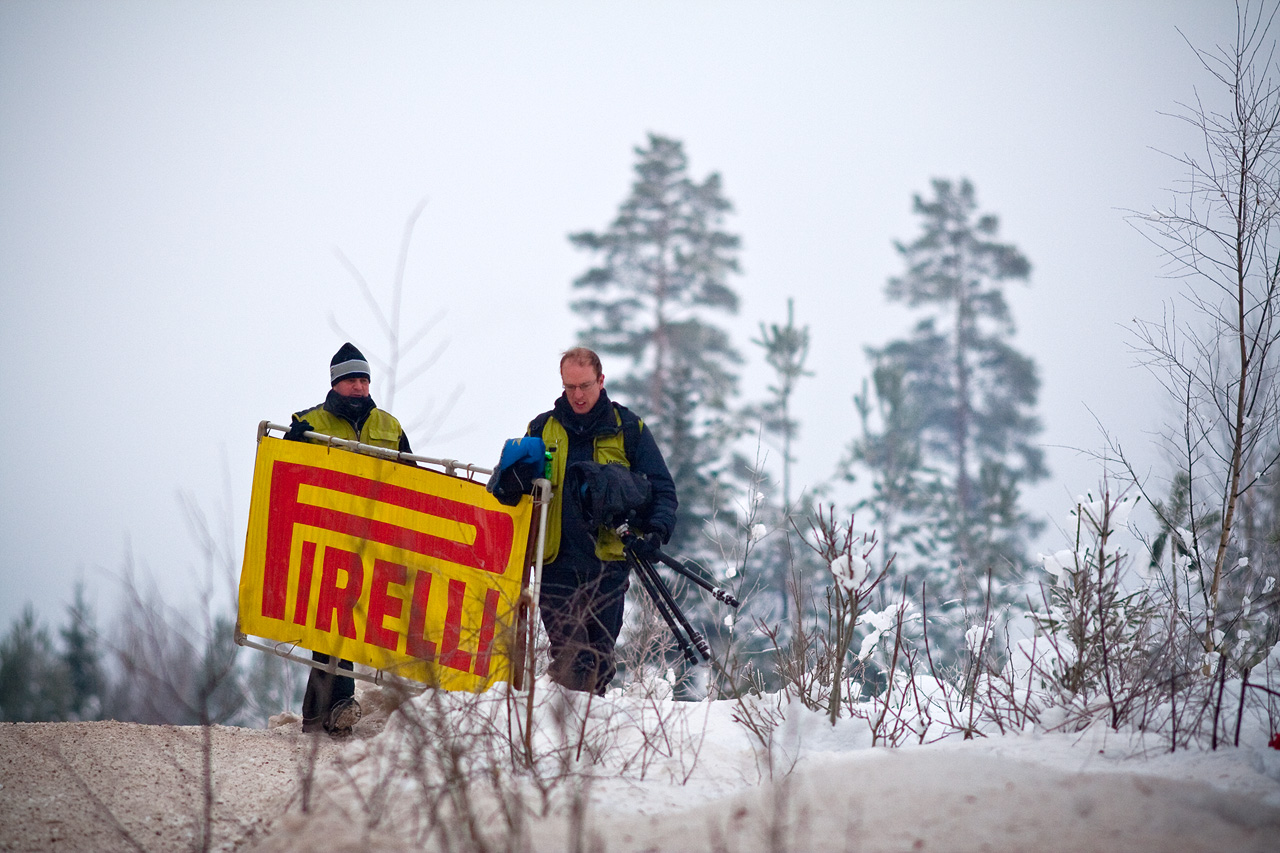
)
(347, 363)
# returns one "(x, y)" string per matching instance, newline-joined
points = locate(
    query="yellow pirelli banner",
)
(404, 569)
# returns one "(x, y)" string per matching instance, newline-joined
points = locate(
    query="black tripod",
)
(687, 637)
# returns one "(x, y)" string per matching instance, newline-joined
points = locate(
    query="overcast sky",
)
(176, 178)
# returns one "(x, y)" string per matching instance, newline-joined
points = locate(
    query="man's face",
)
(581, 386)
(357, 387)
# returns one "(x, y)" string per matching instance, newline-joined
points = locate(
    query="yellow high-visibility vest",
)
(379, 429)
(608, 450)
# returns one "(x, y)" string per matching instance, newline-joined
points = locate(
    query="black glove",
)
(296, 429)
(646, 547)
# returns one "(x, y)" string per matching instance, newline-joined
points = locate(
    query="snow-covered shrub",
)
(1217, 606)
(845, 553)
(1108, 642)
(856, 662)
(1098, 638)
(1120, 643)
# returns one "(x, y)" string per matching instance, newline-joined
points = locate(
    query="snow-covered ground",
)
(643, 774)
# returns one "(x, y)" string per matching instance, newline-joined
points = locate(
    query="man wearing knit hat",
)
(347, 412)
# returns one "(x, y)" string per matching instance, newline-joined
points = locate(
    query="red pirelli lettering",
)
(490, 550)
(486, 632)
(383, 604)
(307, 569)
(418, 645)
(339, 600)
(450, 655)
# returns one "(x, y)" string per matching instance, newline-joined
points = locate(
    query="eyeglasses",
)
(584, 387)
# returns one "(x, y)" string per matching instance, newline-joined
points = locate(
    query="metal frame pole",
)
(450, 466)
(378, 677)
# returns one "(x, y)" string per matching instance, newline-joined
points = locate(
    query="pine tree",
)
(663, 267)
(958, 445)
(82, 660)
(773, 558)
(785, 349)
(34, 686)
(901, 486)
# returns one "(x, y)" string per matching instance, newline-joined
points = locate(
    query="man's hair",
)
(582, 356)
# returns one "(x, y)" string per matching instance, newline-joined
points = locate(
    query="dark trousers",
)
(324, 690)
(581, 609)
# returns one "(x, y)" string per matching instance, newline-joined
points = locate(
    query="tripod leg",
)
(722, 595)
(670, 602)
(644, 573)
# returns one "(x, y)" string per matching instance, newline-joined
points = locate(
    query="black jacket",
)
(643, 457)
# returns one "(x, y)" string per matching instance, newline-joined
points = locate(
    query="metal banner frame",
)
(522, 661)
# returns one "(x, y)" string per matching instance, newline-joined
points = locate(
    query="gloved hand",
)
(523, 460)
(647, 546)
(296, 429)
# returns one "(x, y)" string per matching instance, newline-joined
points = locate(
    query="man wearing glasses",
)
(584, 574)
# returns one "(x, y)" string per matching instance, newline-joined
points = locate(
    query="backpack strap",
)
(632, 426)
(538, 424)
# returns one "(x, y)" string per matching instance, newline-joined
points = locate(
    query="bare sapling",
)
(1222, 240)
(400, 344)
(846, 554)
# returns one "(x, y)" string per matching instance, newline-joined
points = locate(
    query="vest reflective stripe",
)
(380, 428)
(608, 449)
